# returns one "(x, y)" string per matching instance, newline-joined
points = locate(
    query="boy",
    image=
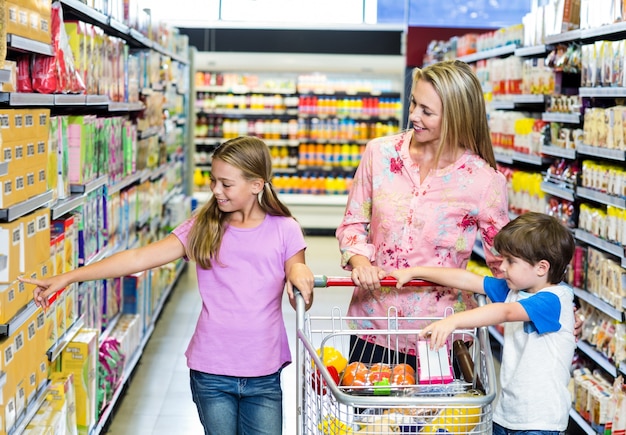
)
(537, 307)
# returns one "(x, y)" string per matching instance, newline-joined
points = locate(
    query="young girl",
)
(246, 246)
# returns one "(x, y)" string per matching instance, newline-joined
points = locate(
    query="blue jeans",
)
(499, 430)
(238, 406)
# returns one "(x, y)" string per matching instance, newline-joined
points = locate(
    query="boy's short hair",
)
(537, 236)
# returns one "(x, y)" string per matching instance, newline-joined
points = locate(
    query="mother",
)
(421, 197)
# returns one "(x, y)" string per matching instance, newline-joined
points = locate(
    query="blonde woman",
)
(422, 197)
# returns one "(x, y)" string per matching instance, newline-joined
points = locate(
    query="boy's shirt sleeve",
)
(544, 310)
(495, 289)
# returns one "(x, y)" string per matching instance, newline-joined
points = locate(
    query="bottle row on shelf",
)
(314, 129)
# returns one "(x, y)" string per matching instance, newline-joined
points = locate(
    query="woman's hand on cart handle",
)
(343, 281)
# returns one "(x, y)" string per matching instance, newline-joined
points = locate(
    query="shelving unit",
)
(573, 194)
(169, 172)
(293, 83)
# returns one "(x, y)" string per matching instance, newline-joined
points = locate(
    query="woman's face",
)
(425, 113)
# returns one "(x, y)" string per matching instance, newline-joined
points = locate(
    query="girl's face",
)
(520, 274)
(231, 190)
(425, 113)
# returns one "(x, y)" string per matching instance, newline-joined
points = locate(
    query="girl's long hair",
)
(251, 155)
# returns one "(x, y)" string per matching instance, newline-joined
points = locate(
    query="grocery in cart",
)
(340, 392)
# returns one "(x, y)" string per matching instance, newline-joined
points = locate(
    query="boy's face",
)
(521, 275)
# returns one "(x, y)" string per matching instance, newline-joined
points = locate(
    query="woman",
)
(422, 197)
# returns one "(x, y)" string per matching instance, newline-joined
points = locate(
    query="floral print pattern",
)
(398, 222)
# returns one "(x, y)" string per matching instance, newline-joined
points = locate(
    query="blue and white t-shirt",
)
(536, 358)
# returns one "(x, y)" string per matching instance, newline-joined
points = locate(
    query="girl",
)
(246, 246)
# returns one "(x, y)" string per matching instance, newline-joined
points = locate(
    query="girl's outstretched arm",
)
(300, 276)
(120, 264)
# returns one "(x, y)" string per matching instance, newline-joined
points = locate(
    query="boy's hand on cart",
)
(402, 276)
(45, 288)
(368, 277)
(301, 277)
(438, 332)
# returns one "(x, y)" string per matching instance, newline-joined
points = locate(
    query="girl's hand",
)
(368, 277)
(45, 288)
(301, 277)
(438, 332)
(402, 276)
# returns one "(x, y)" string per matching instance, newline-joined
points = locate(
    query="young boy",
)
(537, 307)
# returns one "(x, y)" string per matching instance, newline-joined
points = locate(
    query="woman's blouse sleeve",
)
(494, 214)
(353, 231)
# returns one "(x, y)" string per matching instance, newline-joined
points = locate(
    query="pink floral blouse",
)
(397, 222)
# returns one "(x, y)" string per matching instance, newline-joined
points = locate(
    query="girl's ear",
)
(257, 186)
(542, 267)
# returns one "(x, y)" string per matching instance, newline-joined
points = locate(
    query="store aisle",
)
(158, 400)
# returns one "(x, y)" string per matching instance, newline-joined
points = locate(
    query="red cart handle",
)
(343, 281)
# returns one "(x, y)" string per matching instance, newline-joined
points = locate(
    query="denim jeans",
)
(499, 430)
(238, 406)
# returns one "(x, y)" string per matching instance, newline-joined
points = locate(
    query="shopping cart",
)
(460, 404)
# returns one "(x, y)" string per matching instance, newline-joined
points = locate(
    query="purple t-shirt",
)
(240, 330)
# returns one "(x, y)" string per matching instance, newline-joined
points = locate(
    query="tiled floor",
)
(158, 400)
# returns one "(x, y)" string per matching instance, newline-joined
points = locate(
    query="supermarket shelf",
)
(603, 31)
(18, 320)
(30, 411)
(558, 191)
(124, 183)
(606, 153)
(581, 422)
(23, 208)
(54, 352)
(531, 159)
(606, 92)
(529, 99)
(602, 244)
(603, 198)
(599, 304)
(26, 99)
(79, 10)
(555, 151)
(568, 118)
(533, 50)
(21, 43)
(572, 35)
(597, 357)
(107, 331)
(505, 158)
(64, 206)
(89, 186)
(502, 104)
(487, 54)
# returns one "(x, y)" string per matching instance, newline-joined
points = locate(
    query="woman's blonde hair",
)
(464, 118)
(251, 155)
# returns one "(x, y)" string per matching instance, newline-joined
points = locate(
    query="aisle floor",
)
(158, 399)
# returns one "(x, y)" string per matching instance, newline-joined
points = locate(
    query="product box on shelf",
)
(12, 261)
(81, 148)
(134, 295)
(66, 226)
(79, 358)
(62, 398)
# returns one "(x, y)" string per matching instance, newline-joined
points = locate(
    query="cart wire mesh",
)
(391, 396)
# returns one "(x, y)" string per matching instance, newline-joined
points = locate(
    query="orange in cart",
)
(355, 375)
(378, 372)
(403, 369)
(402, 379)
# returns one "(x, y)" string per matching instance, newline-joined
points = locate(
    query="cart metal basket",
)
(328, 406)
